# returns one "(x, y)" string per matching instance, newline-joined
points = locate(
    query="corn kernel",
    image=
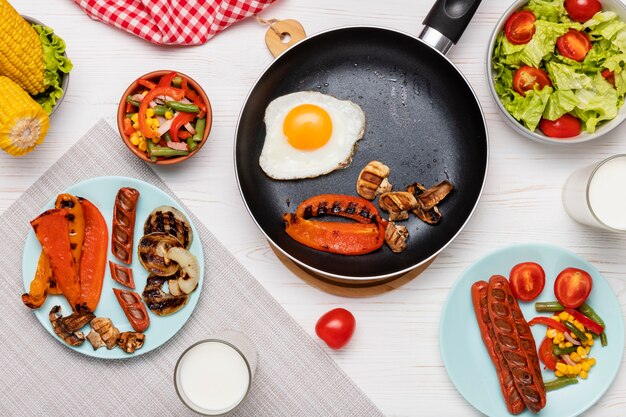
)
(155, 123)
(156, 139)
(134, 140)
(573, 336)
(583, 374)
(561, 367)
(592, 361)
(550, 333)
(143, 146)
(169, 115)
(150, 112)
(562, 345)
(568, 344)
(581, 352)
(577, 369)
(135, 125)
(571, 319)
(556, 318)
(585, 366)
(571, 370)
(564, 315)
(589, 336)
(579, 325)
(144, 93)
(574, 356)
(558, 374)
(587, 349)
(590, 342)
(135, 118)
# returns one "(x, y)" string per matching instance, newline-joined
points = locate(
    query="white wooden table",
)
(394, 356)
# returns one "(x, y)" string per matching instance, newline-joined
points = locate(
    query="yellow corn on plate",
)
(21, 53)
(23, 122)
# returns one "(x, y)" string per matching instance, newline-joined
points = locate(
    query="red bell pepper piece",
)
(146, 83)
(179, 121)
(355, 208)
(548, 322)
(128, 127)
(183, 134)
(175, 93)
(591, 325)
(166, 80)
(93, 259)
(129, 108)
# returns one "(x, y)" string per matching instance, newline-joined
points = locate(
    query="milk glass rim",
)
(593, 173)
(208, 341)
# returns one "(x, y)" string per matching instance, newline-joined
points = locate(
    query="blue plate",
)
(101, 191)
(468, 363)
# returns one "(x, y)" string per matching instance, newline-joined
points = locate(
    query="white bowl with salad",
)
(557, 68)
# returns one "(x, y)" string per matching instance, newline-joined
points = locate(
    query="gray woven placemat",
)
(41, 377)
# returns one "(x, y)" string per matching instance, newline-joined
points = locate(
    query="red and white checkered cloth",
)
(172, 22)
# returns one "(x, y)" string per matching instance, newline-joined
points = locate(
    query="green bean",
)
(160, 110)
(130, 115)
(151, 146)
(200, 125)
(167, 137)
(591, 313)
(186, 108)
(563, 351)
(560, 383)
(177, 81)
(191, 144)
(161, 151)
(130, 100)
(548, 306)
(579, 333)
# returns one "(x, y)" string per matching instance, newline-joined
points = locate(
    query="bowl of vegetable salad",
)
(164, 117)
(557, 68)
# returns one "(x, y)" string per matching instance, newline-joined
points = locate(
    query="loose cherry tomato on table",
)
(609, 76)
(582, 10)
(336, 327)
(572, 287)
(520, 27)
(526, 78)
(546, 354)
(527, 280)
(566, 126)
(574, 45)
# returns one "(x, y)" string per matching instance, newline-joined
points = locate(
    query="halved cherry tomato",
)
(572, 287)
(520, 27)
(546, 354)
(609, 76)
(582, 10)
(574, 45)
(565, 126)
(527, 280)
(526, 78)
(336, 327)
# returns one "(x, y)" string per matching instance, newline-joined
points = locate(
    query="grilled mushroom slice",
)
(153, 253)
(160, 302)
(431, 216)
(398, 204)
(67, 327)
(131, 341)
(373, 180)
(106, 330)
(190, 275)
(168, 220)
(427, 211)
(396, 237)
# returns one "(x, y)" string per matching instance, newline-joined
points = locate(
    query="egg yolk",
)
(307, 127)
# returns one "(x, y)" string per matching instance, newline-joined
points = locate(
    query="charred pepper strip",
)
(355, 208)
(175, 93)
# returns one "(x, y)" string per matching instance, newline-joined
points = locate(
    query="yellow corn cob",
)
(21, 52)
(23, 122)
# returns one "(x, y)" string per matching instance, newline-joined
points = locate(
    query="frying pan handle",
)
(446, 22)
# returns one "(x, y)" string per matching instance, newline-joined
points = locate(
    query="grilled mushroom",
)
(106, 330)
(396, 237)
(168, 220)
(67, 327)
(160, 302)
(131, 341)
(427, 211)
(373, 180)
(153, 250)
(95, 339)
(398, 204)
(190, 275)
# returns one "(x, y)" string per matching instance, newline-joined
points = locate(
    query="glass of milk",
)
(595, 195)
(213, 376)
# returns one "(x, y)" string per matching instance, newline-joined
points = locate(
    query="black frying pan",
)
(422, 120)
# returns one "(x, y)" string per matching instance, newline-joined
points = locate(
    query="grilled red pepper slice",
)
(589, 324)
(354, 208)
(122, 274)
(175, 93)
(179, 121)
(548, 322)
(134, 309)
(341, 238)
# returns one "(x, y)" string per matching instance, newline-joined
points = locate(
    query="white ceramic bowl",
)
(613, 5)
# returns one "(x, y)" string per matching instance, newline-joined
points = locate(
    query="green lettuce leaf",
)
(543, 42)
(55, 65)
(550, 10)
(528, 109)
(565, 77)
(620, 40)
(559, 103)
(596, 103)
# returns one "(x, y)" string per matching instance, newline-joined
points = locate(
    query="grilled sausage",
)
(512, 398)
(501, 304)
(124, 224)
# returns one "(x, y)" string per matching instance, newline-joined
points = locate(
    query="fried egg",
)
(309, 134)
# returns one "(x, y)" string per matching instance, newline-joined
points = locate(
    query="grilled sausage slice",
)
(512, 397)
(501, 304)
(124, 224)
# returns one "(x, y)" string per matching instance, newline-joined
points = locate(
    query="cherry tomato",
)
(572, 287)
(574, 45)
(582, 10)
(336, 327)
(546, 354)
(527, 280)
(520, 27)
(527, 77)
(566, 126)
(609, 76)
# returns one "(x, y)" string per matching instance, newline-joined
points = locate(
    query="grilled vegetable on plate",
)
(470, 364)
